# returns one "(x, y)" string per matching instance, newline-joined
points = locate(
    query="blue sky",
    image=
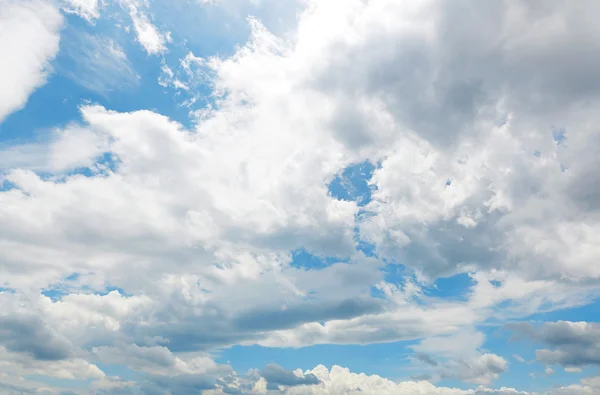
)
(299, 197)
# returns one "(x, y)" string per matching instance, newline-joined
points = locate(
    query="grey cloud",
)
(309, 312)
(482, 369)
(135, 357)
(277, 376)
(222, 329)
(573, 343)
(439, 87)
(422, 377)
(426, 358)
(177, 385)
(10, 389)
(29, 334)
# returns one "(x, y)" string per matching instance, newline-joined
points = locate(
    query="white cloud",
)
(570, 369)
(341, 380)
(28, 41)
(86, 9)
(459, 356)
(519, 358)
(19, 365)
(148, 35)
(590, 385)
(97, 63)
(65, 149)
(197, 225)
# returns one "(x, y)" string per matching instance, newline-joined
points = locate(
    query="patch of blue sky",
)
(6, 185)
(450, 288)
(57, 102)
(366, 248)
(352, 184)
(386, 359)
(224, 38)
(301, 258)
(559, 135)
(225, 24)
(49, 106)
(453, 288)
(588, 312)
(70, 285)
(398, 275)
(56, 292)
(72, 277)
(108, 289)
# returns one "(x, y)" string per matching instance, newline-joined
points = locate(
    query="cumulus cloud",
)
(459, 356)
(341, 380)
(29, 40)
(574, 344)
(483, 369)
(482, 139)
(590, 385)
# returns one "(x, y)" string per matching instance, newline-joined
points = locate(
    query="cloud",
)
(425, 358)
(483, 369)
(586, 386)
(292, 316)
(160, 361)
(28, 334)
(61, 151)
(29, 41)
(148, 35)
(86, 9)
(574, 344)
(18, 365)
(177, 385)
(340, 380)
(459, 356)
(96, 63)
(277, 376)
(457, 111)
(519, 358)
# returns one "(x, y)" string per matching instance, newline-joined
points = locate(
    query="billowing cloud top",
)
(299, 197)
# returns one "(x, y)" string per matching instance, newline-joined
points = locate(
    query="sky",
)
(299, 197)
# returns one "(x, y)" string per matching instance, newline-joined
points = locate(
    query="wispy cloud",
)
(97, 63)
